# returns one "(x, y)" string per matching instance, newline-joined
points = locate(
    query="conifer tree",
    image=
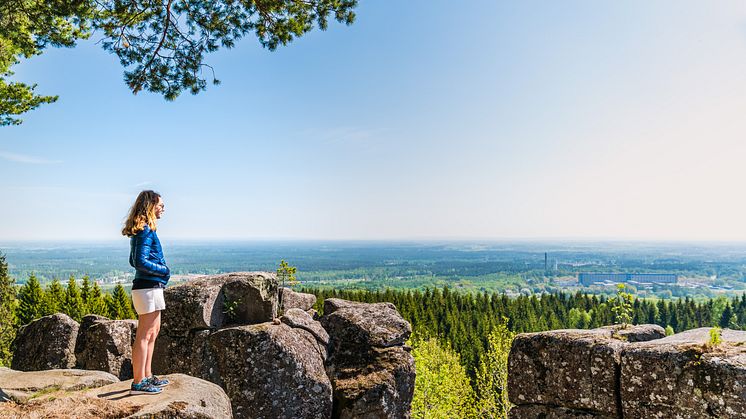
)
(54, 298)
(95, 303)
(7, 312)
(72, 304)
(30, 301)
(121, 304)
(85, 292)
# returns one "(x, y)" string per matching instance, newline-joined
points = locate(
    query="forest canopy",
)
(161, 44)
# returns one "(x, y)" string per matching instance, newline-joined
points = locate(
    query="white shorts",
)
(148, 300)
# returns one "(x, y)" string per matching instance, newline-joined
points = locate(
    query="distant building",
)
(588, 278)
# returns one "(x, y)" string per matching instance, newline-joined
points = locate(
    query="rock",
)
(19, 386)
(378, 324)
(534, 411)
(291, 299)
(106, 345)
(189, 354)
(299, 319)
(271, 371)
(638, 333)
(376, 385)
(46, 343)
(215, 301)
(63, 395)
(333, 304)
(185, 397)
(87, 321)
(371, 371)
(576, 369)
(681, 375)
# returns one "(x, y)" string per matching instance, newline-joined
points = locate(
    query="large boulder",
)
(190, 354)
(95, 394)
(371, 369)
(291, 299)
(378, 325)
(534, 411)
(19, 386)
(577, 369)
(106, 345)
(272, 371)
(215, 301)
(186, 397)
(683, 376)
(46, 343)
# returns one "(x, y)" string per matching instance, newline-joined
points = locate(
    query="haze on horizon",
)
(490, 120)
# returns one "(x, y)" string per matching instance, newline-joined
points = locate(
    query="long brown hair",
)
(141, 213)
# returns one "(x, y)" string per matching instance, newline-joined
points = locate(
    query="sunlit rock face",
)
(635, 372)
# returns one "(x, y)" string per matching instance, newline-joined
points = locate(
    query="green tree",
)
(441, 388)
(161, 44)
(120, 306)
(622, 306)
(492, 375)
(72, 304)
(95, 303)
(30, 301)
(8, 319)
(85, 293)
(54, 298)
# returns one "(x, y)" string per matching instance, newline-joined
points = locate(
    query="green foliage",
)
(492, 375)
(230, 309)
(669, 330)
(119, 304)
(30, 301)
(162, 45)
(72, 304)
(54, 298)
(622, 306)
(286, 273)
(95, 303)
(26, 28)
(7, 313)
(442, 388)
(715, 337)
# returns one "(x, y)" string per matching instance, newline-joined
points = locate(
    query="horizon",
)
(523, 121)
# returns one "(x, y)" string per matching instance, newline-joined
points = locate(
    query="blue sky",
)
(483, 120)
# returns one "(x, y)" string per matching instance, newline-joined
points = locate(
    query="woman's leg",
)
(146, 328)
(151, 344)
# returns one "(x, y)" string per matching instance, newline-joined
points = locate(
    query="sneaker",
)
(144, 387)
(158, 382)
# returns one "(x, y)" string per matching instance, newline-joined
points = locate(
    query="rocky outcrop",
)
(19, 386)
(106, 345)
(370, 368)
(95, 394)
(682, 376)
(185, 397)
(273, 371)
(291, 299)
(223, 329)
(612, 373)
(215, 301)
(46, 343)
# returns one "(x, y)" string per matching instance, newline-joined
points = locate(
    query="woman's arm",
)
(143, 243)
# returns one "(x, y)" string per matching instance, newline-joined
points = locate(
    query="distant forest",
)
(464, 320)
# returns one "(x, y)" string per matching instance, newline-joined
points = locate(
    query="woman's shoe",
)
(144, 387)
(158, 382)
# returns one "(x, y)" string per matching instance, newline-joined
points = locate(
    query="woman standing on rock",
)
(151, 276)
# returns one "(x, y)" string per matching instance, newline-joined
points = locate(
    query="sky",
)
(422, 120)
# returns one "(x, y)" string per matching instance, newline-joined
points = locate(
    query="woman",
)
(151, 276)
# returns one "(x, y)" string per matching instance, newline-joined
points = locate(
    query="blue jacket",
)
(146, 256)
